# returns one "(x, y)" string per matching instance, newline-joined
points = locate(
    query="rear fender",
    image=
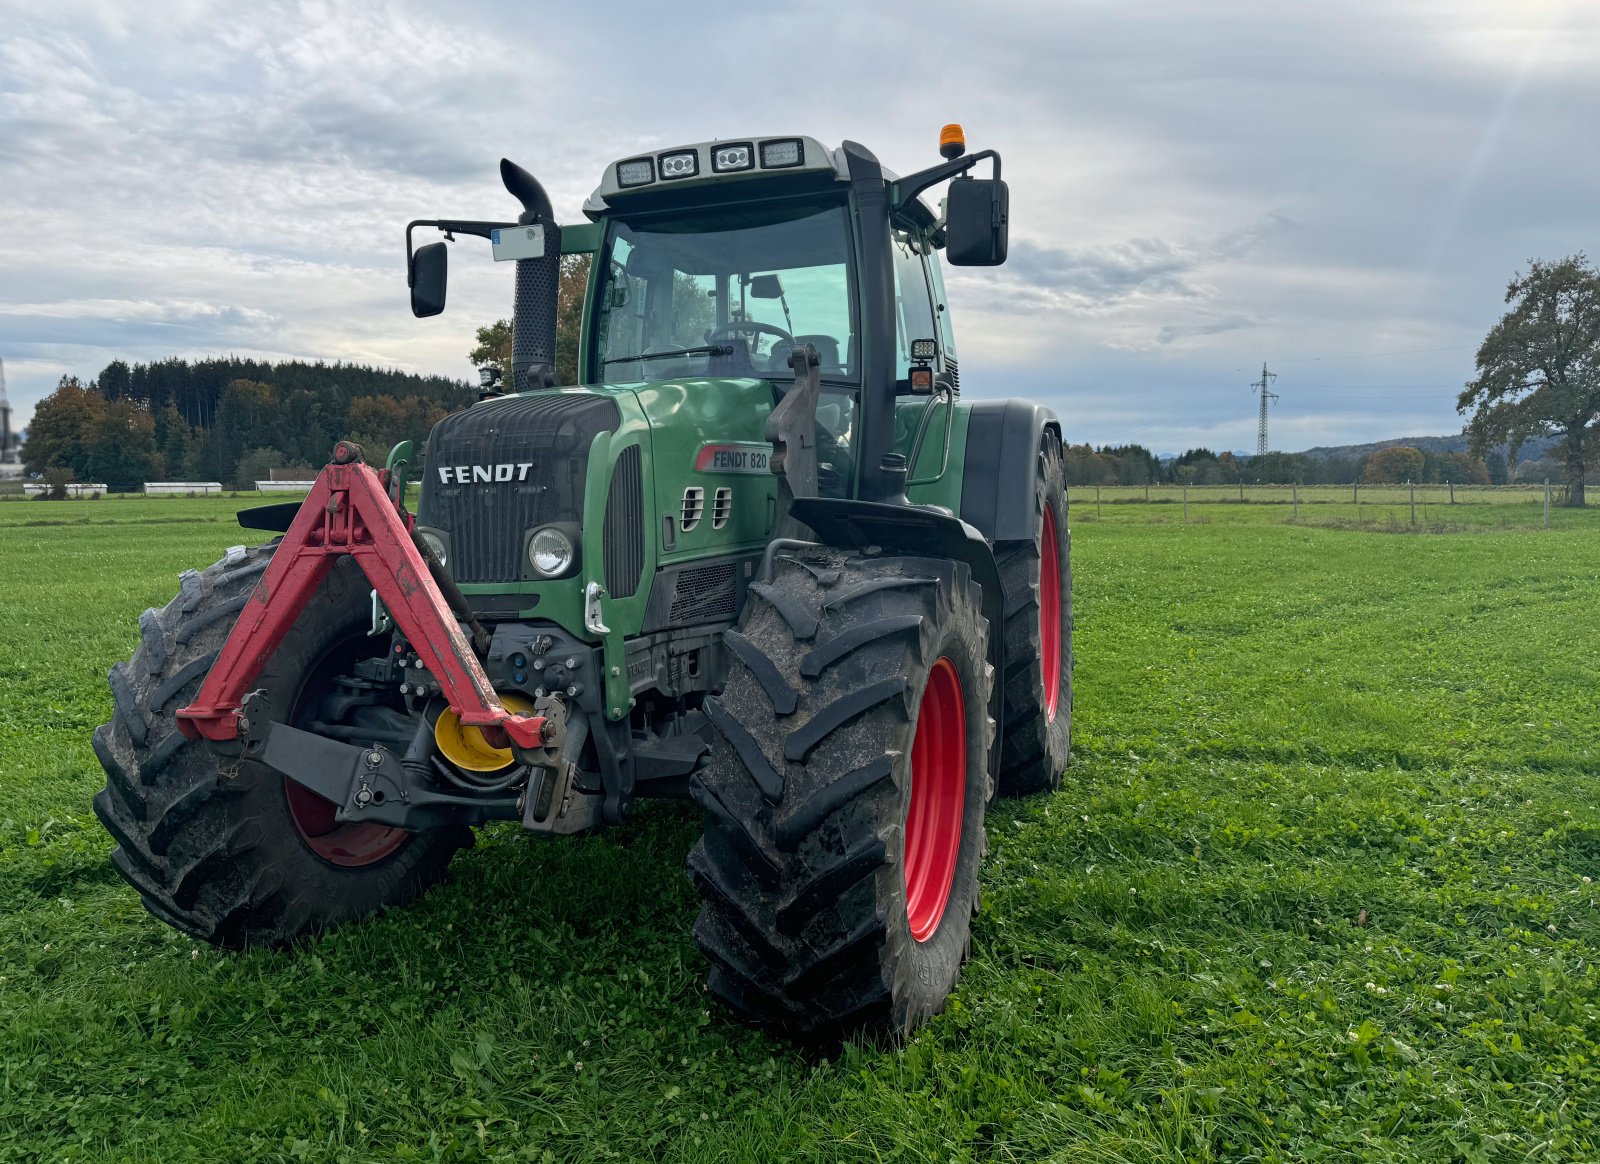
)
(998, 491)
(913, 529)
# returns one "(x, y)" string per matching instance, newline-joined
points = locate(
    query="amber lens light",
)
(952, 141)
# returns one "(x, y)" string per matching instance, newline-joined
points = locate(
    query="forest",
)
(230, 420)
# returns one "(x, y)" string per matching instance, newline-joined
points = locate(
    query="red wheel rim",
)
(348, 845)
(1050, 613)
(938, 800)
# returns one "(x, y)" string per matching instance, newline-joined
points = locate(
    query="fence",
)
(154, 488)
(1443, 504)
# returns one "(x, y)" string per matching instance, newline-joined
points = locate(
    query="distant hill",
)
(1454, 443)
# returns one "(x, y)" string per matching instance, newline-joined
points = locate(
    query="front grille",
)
(705, 594)
(504, 467)
(624, 529)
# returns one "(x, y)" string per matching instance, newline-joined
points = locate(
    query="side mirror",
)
(977, 216)
(430, 269)
(766, 287)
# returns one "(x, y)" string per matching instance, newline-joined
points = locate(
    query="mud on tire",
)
(1036, 740)
(806, 915)
(211, 845)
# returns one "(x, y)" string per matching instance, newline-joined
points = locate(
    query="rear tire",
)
(1036, 743)
(845, 796)
(228, 851)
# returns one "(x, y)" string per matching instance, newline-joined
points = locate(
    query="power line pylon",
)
(1261, 429)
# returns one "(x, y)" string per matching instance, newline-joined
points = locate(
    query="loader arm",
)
(349, 513)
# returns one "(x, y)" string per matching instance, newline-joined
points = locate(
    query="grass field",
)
(1318, 887)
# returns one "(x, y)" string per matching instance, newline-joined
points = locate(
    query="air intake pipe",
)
(533, 314)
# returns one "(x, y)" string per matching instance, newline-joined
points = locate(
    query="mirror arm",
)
(909, 187)
(450, 226)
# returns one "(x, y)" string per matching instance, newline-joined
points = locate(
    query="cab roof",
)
(715, 165)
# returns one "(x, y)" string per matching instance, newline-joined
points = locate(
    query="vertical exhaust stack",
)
(533, 315)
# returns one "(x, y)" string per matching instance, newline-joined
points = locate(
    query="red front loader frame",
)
(349, 513)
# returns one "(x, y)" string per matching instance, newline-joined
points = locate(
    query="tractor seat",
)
(827, 348)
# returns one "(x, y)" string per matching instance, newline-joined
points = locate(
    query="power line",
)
(1261, 429)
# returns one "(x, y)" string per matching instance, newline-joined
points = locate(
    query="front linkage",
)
(352, 511)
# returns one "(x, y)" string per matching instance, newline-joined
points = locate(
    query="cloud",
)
(1195, 187)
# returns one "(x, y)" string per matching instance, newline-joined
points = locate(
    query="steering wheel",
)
(729, 330)
(782, 344)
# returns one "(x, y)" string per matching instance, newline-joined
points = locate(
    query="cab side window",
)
(914, 314)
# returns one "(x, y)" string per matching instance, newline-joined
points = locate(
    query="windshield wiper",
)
(702, 350)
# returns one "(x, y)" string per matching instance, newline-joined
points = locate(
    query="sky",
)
(1198, 187)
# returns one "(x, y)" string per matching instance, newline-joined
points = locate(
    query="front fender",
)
(913, 529)
(998, 488)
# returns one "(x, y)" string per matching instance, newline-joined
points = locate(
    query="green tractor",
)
(763, 556)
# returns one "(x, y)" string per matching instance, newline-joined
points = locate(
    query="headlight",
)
(777, 155)
(684, 165)
(435, 543)
(550, 552)
(728, 158)
(637, 172)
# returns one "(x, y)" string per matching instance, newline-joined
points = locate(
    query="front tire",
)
(227, 851)
(845, 796)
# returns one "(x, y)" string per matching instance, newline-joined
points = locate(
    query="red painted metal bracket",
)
(349, 513)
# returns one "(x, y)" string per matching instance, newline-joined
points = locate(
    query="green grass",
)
(1316, 889)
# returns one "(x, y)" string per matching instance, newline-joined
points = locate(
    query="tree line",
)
(228, 420)
(1137, 465)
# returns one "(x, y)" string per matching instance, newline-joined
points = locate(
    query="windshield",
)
(727, 292)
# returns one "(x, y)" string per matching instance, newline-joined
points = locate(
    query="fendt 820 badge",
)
(763, 555)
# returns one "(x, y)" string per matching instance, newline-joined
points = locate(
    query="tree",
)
(122, 447)
(1393, 465)
(494, 341)
(257, 465)
(62, 428)
(1539, 367)
(1499, 471)
(175, 439)
(494, 348)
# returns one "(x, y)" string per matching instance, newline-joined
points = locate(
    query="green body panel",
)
(936, 478)
(671, 421)
(705, 432)
(582, 238)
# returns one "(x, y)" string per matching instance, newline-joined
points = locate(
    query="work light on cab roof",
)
(763, 554)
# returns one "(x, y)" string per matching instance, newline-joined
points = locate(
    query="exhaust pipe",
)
(533, 314)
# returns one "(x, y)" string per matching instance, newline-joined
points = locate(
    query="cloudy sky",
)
(1197, 186)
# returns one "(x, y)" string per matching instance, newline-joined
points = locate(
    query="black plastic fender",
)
(914, 529)
(274, 518)
(1002, 458)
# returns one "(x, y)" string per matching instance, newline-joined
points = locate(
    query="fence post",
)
(1241, 488)
(1186, 505)
(1547, 503)
(1452, 493)
(1413, 485)
(1355, 498)
(1296, 487)
(1097, 501)
(1147, 492)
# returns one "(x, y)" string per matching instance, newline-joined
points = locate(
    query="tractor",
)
(763, 556)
